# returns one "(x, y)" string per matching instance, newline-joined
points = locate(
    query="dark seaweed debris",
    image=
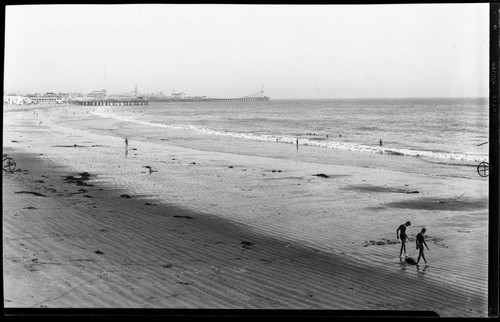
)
(246, 245)
(381, 242)
(79, 181)
(187, 217)
(31, 192)
(410, 260)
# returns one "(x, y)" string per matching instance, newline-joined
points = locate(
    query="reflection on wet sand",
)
(408, 261)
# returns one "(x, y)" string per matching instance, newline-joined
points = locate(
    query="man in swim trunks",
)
(403, 236)
(420, 240)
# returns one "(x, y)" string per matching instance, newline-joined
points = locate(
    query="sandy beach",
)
(168, 226)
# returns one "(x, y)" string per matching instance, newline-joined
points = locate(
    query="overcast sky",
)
(317, 51)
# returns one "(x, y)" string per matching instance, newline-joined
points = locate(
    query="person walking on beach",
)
(126, 147)
(380, 142)
(420, 240)
(297, 143)
(401, 233)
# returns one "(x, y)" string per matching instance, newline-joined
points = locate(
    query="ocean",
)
(445, 129)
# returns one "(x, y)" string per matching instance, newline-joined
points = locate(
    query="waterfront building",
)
(15, 99)
(45, 100)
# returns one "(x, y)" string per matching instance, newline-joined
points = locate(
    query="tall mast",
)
(105, 78)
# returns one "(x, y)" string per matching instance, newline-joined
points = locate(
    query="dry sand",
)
(86, 227)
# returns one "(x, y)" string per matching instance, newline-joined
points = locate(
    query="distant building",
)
(178, 95)
(15, 99)
(47, 98)
(66, 97)
(97, 94)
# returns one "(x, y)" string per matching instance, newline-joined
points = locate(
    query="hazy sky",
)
(306, 51)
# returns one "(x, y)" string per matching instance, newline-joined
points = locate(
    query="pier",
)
(206, 99)
(100, 99)
(111, 102)
(179, 97)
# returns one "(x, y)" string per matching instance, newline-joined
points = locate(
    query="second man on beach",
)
(401, 233)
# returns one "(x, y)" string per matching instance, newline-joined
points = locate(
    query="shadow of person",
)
(402, 263)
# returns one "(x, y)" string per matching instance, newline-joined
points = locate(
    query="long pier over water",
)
(145, 100)
(110, 102)
(180, 97)
(207, 99)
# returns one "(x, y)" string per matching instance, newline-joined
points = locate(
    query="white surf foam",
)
(448, 156)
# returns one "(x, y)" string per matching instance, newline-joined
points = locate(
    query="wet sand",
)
(172, 227)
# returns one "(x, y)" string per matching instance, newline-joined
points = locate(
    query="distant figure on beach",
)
(380, 142)
(401, 233)
(327, 136)
(297, 143)
(126, 147)
(420, 240)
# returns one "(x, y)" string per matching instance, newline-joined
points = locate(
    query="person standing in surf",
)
(401, 233)
(126, 147)
(420, 240)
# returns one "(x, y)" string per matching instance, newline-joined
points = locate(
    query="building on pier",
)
(97, 94)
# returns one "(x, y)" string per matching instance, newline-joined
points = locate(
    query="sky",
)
(290, 51)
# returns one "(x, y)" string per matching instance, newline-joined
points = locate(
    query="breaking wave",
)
(304, 141)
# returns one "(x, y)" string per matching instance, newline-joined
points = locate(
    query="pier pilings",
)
(110, 102)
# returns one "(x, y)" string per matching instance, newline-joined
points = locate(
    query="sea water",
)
(444, 129)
